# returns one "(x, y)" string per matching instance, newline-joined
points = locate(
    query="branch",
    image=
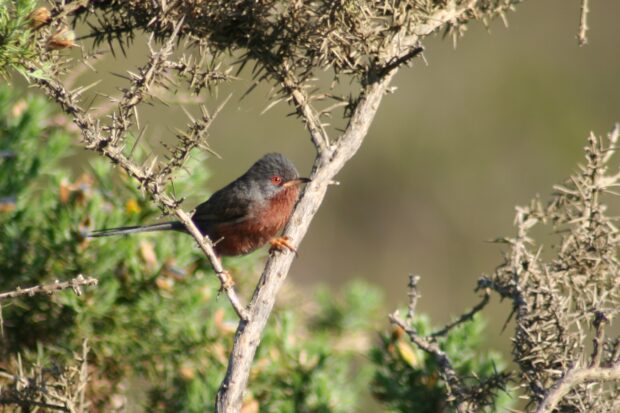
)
(399, 60)
(52, 389)
(206, 246)
(140, 86)
(60, 12)
(28, 404)
(413, 296)
(318, 135)
(75, 284)
(600, 319)
(576, 377)
(468, 316)
(583, 23)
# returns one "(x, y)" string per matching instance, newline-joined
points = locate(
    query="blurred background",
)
(483, 127)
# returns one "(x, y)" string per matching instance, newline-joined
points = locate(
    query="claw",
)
(227, 283)
(281, 244)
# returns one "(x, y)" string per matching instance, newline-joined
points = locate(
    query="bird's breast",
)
(264, 222)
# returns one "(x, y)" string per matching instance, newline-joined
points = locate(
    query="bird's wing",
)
(223, 207)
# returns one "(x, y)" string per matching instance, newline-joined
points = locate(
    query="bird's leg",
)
(281, 244)
(228, 281)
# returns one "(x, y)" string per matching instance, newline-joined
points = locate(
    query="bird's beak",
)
(296, 181)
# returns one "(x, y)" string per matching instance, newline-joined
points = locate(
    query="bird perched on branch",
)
(245, 214)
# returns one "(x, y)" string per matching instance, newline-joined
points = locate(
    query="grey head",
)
(272, 174)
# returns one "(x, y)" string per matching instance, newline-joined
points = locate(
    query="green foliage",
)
(17, 44)
(406, 378)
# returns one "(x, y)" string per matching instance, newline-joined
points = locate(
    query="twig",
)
(413, 296)
(140, 86)
(399, 60)
(583, 23)
(61, 12)
(468, 316)
(63, 389)
(75, 284)
(319, 136)
(597, 343)
(206, 246)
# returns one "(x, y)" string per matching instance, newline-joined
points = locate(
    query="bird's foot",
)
(227, 281)
(281, 244)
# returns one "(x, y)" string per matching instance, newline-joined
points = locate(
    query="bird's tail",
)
(164, 226)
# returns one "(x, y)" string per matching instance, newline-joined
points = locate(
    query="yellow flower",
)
(132, 207)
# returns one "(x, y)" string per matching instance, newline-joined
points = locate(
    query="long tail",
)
(164, 226)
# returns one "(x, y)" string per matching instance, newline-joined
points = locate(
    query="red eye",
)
(276, 180)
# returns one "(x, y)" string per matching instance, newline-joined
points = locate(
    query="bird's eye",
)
(276, 180)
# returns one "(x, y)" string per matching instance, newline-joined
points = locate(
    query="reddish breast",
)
(246, 236)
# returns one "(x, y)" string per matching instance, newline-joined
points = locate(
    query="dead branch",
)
(75, 284)
(468, 316)
(583, 23)
(414, 295)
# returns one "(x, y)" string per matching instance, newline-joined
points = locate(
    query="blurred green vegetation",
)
(159, 336)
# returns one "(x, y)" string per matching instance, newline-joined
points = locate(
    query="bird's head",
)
(275, 173)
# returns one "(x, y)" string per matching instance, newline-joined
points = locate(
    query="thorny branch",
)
(555, 301)
(319, 136)
(141, 83)
(468, 316)
(75, 284)
(414, 295)
(600, 319)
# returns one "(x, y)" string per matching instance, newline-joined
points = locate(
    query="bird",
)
(245, 214)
